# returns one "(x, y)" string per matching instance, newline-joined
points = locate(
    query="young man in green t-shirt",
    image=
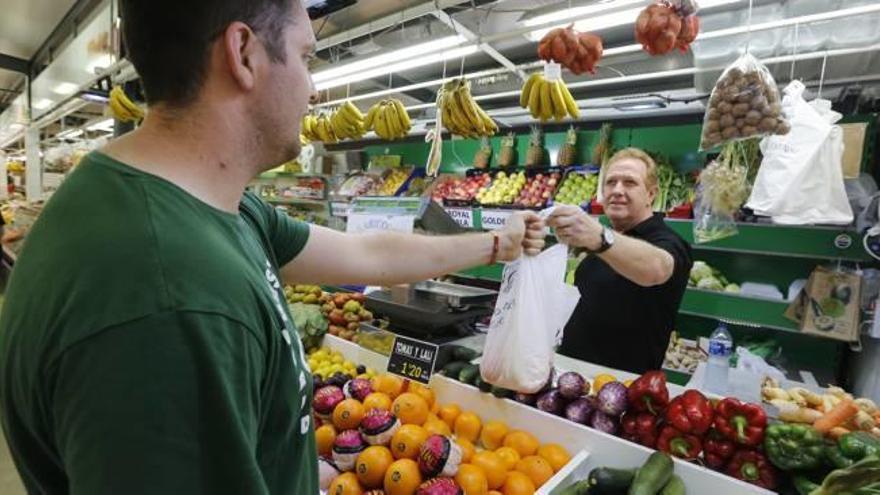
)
(145, 346)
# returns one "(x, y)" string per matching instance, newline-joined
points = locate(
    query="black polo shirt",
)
(618, 323)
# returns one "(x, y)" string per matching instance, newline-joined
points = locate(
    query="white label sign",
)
(340, 209)
(462, 216)
(365, 222)
(495, 219)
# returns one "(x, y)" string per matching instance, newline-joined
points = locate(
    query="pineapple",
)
(507, 155)
(535, 155)
(481, 157)
(568, 153)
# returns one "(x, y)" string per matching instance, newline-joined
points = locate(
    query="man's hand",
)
(524, 231)
(576, 228)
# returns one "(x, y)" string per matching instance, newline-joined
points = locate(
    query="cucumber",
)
(469, 374)
(453, 369)
(674, 487)
(483, 385)
(501, 393)
(610, 481)
(581, 487)
(461, 353)
(653, 475)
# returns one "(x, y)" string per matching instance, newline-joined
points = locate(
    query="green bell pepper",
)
(851, 448)
(794, 446)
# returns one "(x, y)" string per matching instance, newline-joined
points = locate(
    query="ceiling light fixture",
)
(639, 105)
(102, 125)
(42, 104)
(417, 50)
(398, 67)
(65, 89)
(69, 134)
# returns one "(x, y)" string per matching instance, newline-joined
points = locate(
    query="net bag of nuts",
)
(745, 103)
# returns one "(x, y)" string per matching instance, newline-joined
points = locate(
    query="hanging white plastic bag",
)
(533, 306)
(744, 104)
(800, 180)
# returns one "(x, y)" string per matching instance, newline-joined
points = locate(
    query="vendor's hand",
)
(524, 231)
(575, 227)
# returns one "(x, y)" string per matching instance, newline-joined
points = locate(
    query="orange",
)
(402, 478)
(377, 400)
(521, 441)
(407, 441)
(492, 465)
(517, 483)
(555, 454)
(536, 468)
(627, 383)
(423, 392)
(493, 433)
(410, 409)
(371, 465)
(509, 456)
(467, 449)
(467, 425)
(448, 413)
(388, 384)
(347, 415)
(494, 492)
(437, 427)
(435, 408)
(345, 484)
(325, 435)
(472, 480)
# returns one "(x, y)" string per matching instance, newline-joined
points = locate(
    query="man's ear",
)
(240, 48)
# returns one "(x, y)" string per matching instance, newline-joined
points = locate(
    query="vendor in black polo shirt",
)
(632, 282)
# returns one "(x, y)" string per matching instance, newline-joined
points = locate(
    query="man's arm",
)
(387, 258)
(638, 261)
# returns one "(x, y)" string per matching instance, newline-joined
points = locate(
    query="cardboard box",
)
(853, 148)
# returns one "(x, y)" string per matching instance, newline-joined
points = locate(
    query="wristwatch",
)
(607, 241)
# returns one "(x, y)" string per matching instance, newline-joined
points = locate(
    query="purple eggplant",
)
(571, 385)
(552, 402)
(603, 422)
(580, 410)
(528, 399)
(611, 399)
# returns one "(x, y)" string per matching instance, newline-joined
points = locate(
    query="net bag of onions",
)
(667, 25)
(577, 52)
(744, 104)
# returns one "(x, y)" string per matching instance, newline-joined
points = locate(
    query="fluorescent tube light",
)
(103, 125)
(418, 50)
(65, 89)
(42, 103)
(561, 15)
(398, 67)
(94, 97)
(639, 105)
(69, 133)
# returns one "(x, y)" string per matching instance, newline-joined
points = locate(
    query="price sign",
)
(365, 222)
(495, 219)
(462, 216)
(412, 359)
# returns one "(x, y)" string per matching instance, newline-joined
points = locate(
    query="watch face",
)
(608, 234)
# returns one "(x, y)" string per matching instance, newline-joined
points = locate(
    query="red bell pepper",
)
(648, 393)
(717, 450)
(678, 444)
(691, 412)
(753, 467)
(743, 423)
(641, 428)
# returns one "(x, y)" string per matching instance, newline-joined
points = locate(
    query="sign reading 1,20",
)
(411, 371)
(412, 359)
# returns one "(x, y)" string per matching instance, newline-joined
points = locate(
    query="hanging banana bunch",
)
(122, 108)
(319, 128)
(389, 120)
(348, 122)
(462, 115)
(547, 99)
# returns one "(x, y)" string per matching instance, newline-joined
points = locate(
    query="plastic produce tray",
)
(578, 170)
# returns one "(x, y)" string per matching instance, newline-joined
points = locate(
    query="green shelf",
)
(762, 312)
(297, 201)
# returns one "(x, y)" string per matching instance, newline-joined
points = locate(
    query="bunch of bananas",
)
(389, 119)
(460, 113)
(122, 108)
(547, 99)
(348, 122)
(319, 128)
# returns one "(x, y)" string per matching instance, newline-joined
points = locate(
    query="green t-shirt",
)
(145, 345)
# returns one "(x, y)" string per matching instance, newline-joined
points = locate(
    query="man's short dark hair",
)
(168, 41)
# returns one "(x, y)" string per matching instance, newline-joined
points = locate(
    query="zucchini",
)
(481, 384)
(610, 481)
(581, 487)
(461, 353)
(500, 392)
(469, 374)
(674, 487)
(653, 475)
(453, 369)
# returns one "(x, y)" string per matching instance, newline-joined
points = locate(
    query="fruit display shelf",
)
(593, 448)
(578, 186)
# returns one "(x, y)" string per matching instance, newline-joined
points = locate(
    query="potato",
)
(740, 123)
(734, 73)
(740, 110)
(713, 138)
(731, 94)
(712, 126)
(748, 130)
(715, 99)
(713, 114)
(727, 120)
(745, 96)
(773, 110)
(730, 133)
(767, 124)
(758, 102)
(725, 107)
(783, 128)
(753, 117)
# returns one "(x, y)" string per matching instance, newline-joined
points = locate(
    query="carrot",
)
(837, 432)
(839, 414)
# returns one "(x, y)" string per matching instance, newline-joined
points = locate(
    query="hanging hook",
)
(461, 72)
(822, 75)
(794, 50)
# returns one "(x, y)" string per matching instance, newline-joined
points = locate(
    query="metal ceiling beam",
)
(405, 15)
(66, 29)
(14, 63)
(474, 37)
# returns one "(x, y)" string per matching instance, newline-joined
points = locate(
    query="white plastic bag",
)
(533, 306)
(800, 180)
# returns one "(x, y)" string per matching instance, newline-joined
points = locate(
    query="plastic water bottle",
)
(720, 349)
